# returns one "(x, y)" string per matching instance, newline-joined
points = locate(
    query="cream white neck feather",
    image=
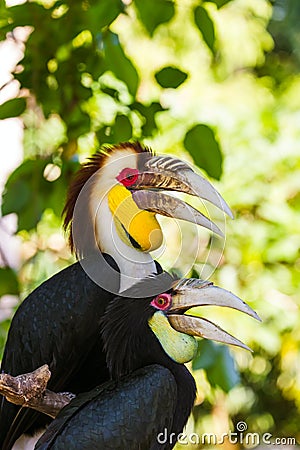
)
(27, 442)
(133, 264)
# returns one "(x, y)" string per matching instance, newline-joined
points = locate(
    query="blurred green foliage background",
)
(216, 83)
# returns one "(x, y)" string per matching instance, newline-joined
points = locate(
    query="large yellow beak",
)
(138, 226)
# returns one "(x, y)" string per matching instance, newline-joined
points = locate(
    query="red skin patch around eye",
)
(162, 302)
(128, 176)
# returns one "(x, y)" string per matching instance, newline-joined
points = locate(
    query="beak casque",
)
(167, 173)
(190, 293)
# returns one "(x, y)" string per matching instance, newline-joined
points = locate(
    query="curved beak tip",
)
(168, 173)
(191, 293)
(256, 316)
(166, 205)
(231, 215)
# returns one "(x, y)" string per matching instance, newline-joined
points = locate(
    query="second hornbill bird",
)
(111, 212)
(147, 340)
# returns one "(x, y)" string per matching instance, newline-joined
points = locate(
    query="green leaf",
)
(170, 77)
(102, 14)
(155, 13)
(205, 26)
(194, 273)
(206, 354)
(58, 188)
(114, 93)
(8, 282)
(223, 373)
(120, 131)
(202, 145)
(117, 62)
(149, 113)
(26, 193)
(4, 18)
(78, 122)
(12, 108)
(28, 13)
(219, 3)
(218, 363)
(16, 197)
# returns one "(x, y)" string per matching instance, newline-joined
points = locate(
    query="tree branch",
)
(29, 390)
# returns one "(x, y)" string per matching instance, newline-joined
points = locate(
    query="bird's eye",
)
(162, 301)
(128, 176)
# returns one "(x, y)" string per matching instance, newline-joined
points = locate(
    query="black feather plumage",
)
(149, 393)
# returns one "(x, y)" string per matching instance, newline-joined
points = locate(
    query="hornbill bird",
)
(110, 213)
(147, 340)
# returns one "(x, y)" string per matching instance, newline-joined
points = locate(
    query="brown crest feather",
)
(88, 168)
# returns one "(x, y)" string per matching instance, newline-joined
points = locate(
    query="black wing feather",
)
(58, 325)
(128, 414)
